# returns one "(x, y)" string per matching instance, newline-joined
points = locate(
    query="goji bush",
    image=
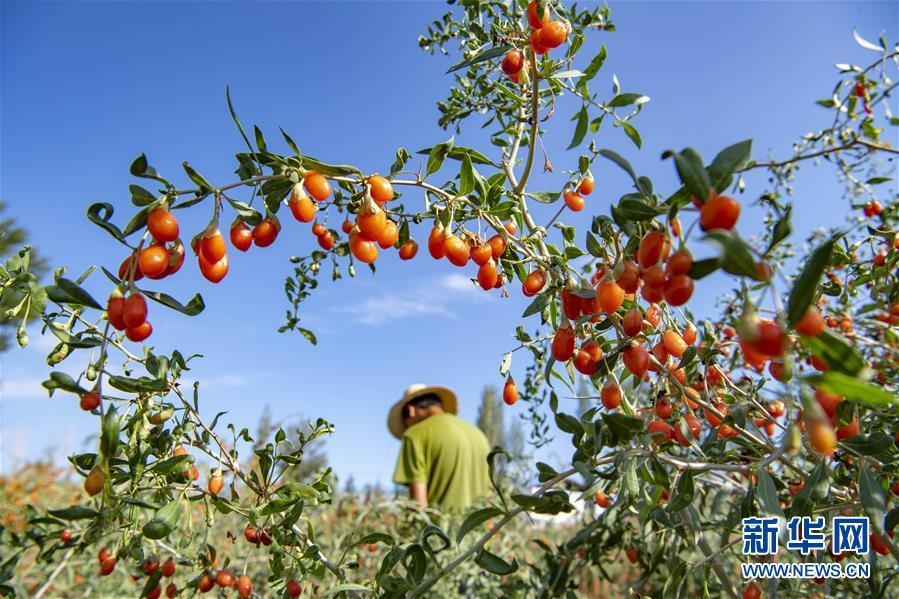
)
(783, 405)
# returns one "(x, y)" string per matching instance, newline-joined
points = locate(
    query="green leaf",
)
(623, 427)
(192, 308)
(460, 152)
(475, 519)
(197, 178)
(873, 498)
(138, 502)
(509, 94)
(248, 214)
(782, 229)
(727, 162)
(673, 583)
(67, 292)
(684, 492)
(139, 165)
(703, 268)
(494, 563)
(877, 445)
(139, 385)
(402, 157)
(164, 521)
(173, 465)
(544, 197)
(140, 196)
(540, 302)
(621, 162)
(60, 380)
(437, 156)
(572, 252)
(692, 173)
(347, 587)
(735, 256)
(138, 221)
(854, 389)
(593, 245)
(141, 168)
(308, 335)
(260, 139)
(569, 74)
(466, 177)
(415, 562)
(290, 142)
(480, 57)
(580, 129)
(817, 487)
(767, 495)
(569, 424)
(430, 531)
(806, 285)
(331, 170)
(636, 210)
(76, 512)
(276, 506)
(627, 99)
(237, 122)
(836, 352)
(545, 472)
(375, 537)
(551, 502)
(109, 432)
(595, 64)
(632, 133)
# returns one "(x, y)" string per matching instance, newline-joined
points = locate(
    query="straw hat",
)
(395, 418)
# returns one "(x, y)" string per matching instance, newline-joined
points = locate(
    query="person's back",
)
(448, 454)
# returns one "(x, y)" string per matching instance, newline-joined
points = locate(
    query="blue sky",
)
(88, 86)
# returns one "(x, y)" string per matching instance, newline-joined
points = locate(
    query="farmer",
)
(443, 459)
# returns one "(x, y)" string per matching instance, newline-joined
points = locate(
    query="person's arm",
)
(419, 492)
(411, 470)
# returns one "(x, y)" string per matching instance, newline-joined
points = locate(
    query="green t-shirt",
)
(448, 454)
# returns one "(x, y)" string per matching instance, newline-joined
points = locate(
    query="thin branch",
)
(59, 567)
(532, 142)
(723, 576)
(873, 145)
(426, 584)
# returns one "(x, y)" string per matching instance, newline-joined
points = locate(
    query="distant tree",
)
(12, 238)
(504, 433)
(264, 428)
(490, 416)
(350, 485)
(375, 492)
(515, 439)
(314, 457)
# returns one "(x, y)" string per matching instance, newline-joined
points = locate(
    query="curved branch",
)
(426, 584)
(872, 145)
(532, 142)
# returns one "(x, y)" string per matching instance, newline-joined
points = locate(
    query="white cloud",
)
(22, 388)
(228, 380)
(42, 343)
(462, 284)
(375, 311)
(17, 446)
(225, 380)
(430, 297)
